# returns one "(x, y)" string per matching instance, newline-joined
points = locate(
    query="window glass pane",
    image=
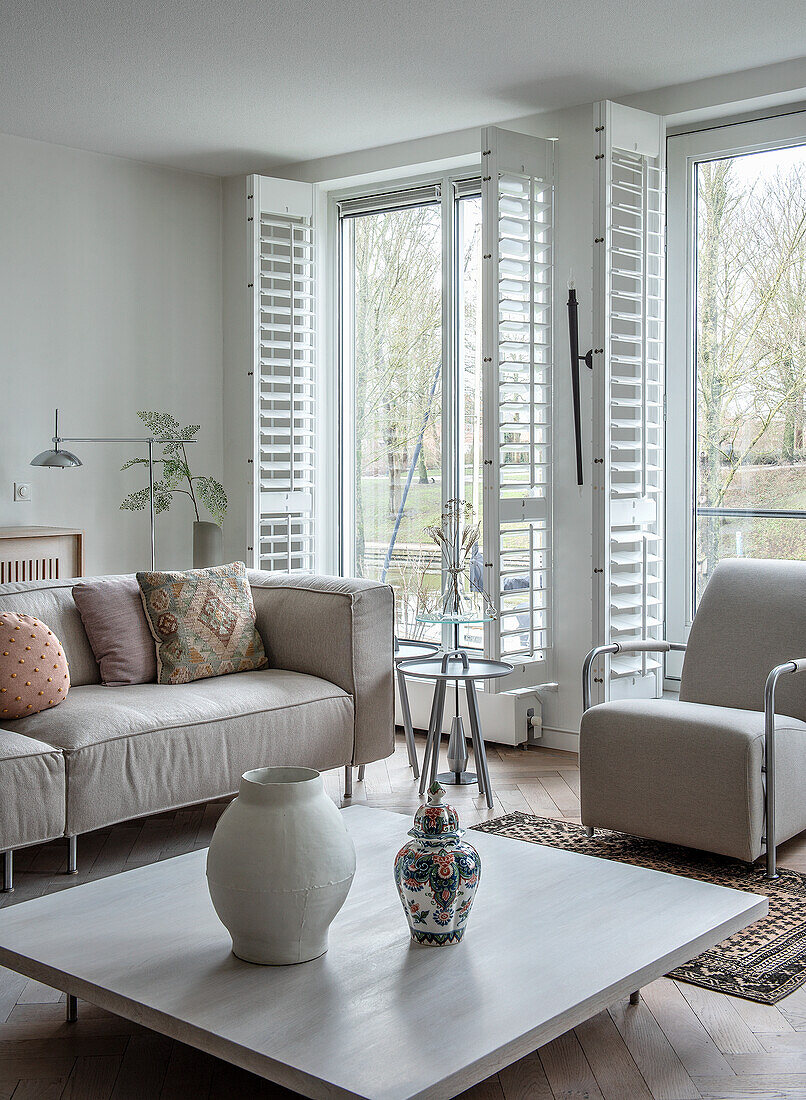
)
(750, 305)
(395, 269)
(470, 382)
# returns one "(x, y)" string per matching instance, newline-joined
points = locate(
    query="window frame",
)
(685, 150)
(448, 189)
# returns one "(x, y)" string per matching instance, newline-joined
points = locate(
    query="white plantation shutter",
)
(284, 373)
(517, 265)
(629, 254)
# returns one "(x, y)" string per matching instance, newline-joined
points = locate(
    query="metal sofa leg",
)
(361, 770)
(71, 1015)
(589, 830)
(72, 855)
(348, 781)
(8, 872)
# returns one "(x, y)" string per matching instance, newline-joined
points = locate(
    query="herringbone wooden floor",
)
(679, 1043)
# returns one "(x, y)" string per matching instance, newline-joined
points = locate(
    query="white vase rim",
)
(281, 776)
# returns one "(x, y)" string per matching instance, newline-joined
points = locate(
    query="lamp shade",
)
(60, 458)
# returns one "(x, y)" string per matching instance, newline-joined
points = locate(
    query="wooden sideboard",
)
(40, 553)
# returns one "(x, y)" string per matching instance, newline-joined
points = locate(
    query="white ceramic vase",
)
(280, 866)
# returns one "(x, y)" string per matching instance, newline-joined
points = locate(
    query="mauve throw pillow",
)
(203, 621)
(112, 613)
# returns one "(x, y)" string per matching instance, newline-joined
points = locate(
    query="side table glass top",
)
(457, 620)
(454, 668)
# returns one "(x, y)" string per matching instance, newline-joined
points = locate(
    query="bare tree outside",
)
(395, 268)
(750, 356)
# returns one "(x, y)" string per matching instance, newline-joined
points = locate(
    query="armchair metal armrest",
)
(798, 665)
(644, 645)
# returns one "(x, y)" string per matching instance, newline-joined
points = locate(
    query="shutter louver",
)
(517, 230)
(285, 376)
(629, 319)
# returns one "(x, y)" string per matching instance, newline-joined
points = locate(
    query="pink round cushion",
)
(33, 668)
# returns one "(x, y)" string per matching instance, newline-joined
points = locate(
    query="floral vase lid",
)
(435, 820)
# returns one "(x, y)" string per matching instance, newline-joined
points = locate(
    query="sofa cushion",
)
(203, 621)
(143, 748)
(112, 612)
(31, 791)
(33, 668)
(52, 602)
(688, 773)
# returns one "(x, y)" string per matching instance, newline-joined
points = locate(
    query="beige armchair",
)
(723, 768)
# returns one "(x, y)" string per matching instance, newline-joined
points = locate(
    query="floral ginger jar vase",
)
(437, 874)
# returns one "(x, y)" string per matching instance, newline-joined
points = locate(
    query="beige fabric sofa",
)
(107, 754)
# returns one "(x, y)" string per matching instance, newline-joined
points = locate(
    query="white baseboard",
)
(559, 739)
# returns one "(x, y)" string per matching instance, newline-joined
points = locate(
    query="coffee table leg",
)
(408, 729)
(478, 744)
(71, 1014)
(635, 998)
(348, 781)
(429, 741)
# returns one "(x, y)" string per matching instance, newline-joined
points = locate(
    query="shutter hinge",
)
(250, 373)
(250, 284)
(598, 240)
(250, 461)
(487, 359)
(598, 129)
(598, 460)
(486, 152)
(485, 178)
(488, 565)
(487, 256)
(488, 462)
(598, 680)
(599, 156)
(598, 570)
(250, 197)
(250, 548)
(250, 219)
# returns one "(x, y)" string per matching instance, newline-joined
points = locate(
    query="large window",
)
(738, 350)
(411, 375)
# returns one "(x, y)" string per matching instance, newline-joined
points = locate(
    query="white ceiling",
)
(226, 86)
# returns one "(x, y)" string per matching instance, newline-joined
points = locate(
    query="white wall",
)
(110, 302)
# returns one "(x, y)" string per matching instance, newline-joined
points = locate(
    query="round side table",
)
(409, 651)
(456, 666)
(405, 650)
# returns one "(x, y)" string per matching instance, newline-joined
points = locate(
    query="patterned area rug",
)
(764, 962)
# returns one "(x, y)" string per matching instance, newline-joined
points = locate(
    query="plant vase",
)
(437, 874)
(280, 866)
(208, 547)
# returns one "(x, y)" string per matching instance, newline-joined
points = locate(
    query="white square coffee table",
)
(553, 938)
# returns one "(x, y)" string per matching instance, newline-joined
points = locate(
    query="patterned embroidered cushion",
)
(203, 621)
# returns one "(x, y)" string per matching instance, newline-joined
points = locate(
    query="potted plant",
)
(177, 478)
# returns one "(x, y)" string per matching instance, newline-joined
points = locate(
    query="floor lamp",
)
(60, 458)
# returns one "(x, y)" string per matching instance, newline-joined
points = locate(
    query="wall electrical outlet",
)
(22, 491)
